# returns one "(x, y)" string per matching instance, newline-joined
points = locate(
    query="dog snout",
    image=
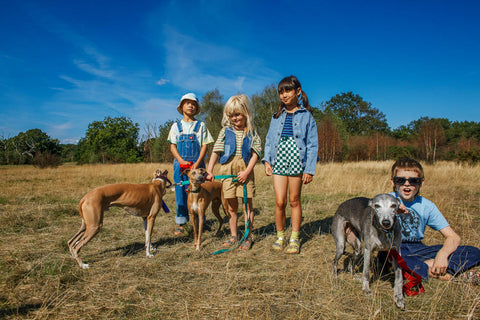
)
(387, 224)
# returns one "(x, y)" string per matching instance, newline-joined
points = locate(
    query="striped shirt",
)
(288, 128)
(239, 135)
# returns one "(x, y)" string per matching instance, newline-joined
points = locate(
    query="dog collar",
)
(164, 178)
(193, 191)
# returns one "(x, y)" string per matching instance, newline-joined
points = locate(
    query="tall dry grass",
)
(40, 280)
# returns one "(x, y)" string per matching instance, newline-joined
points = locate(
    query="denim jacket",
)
(304, 133)
(230, 146)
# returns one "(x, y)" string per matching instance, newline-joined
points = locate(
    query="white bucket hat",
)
(189, 96)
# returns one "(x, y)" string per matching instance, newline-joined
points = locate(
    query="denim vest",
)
(230, 145)
(187, 145)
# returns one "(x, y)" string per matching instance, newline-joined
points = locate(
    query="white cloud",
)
(162, 82)
(202, 66)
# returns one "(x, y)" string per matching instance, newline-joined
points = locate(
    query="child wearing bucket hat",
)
(188, 140)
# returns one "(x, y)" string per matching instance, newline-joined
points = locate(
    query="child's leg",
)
(246, 245)
(280, 186)
(181, 216)
(232, 209)
(250, 214)
(294, 192)
(462, 259)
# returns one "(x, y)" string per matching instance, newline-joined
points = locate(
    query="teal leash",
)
(245, 199)
(247, 227)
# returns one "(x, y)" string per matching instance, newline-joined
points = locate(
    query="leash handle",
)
(413, 279)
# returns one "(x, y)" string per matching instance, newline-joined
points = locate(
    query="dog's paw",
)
(149, 255)
(366, 289)
(85, 266)
(400, 301)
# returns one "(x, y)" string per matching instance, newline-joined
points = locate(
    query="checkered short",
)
(287, 162)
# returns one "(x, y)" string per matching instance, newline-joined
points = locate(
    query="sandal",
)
(293, 247)
(278, 245)
(246, 245)
(179, 231)
(231, 240)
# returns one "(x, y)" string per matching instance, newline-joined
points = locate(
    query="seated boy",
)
(437, 261)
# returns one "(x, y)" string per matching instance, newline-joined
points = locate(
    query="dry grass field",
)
(40, 280)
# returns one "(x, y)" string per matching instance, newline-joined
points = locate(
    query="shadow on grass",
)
(21, 310)
(136, 247)
(307, 231)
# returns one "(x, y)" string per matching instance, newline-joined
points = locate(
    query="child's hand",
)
(268, 169)
(242, 176)
(307, 178)
(195, 165)
(209, 176)
(402, 209)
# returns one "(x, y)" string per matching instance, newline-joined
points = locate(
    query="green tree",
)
(357, 115)
(28, 146)
(263, 106)
(403, 132)
(68, 152)
(159, 146)
(211, 111)
(113, 140)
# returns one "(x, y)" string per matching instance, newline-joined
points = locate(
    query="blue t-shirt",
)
(421, 213)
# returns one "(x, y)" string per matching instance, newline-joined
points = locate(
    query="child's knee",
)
(295, 202)
(281, 203)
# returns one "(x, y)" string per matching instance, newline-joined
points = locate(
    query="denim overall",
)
(188, 147)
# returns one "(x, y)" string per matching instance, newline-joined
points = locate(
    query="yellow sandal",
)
(293, 247)
(278, 245)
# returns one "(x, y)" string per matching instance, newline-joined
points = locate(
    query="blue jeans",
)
(181, 195)
(415, 253)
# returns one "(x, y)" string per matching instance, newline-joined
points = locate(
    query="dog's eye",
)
(377, 206)
(393, 206)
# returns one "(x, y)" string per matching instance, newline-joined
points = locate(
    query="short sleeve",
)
(173, 134)
(219, 145)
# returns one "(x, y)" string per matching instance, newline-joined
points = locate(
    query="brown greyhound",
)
(200, 194)
(143, 200)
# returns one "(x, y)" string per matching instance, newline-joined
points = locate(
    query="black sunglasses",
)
(416, 181)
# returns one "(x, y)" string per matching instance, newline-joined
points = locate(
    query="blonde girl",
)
(237, 149)
(291, 148)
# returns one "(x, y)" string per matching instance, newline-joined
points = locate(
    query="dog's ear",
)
(157, 173)
(165, 172)
(370, 203)
(186, 172)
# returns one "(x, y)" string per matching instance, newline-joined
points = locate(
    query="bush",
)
(44, 160)
(396, 152)
(470, 156)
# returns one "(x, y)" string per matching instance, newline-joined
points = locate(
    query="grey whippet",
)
(374, 221)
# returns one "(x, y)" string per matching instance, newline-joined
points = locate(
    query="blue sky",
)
(65, 64)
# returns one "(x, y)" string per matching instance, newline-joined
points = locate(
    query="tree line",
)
(349, 129)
